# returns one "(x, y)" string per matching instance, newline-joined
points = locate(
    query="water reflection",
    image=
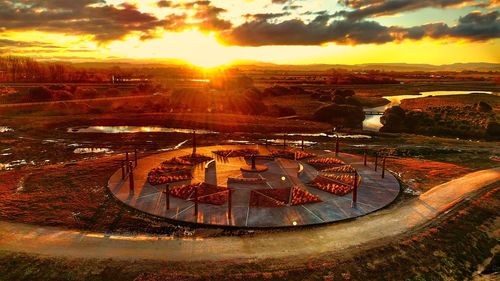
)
(148, 129)
(134, 129)
(4, 129)
(87, 150)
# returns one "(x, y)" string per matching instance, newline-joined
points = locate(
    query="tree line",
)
(25, 69)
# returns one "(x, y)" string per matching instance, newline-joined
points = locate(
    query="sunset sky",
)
(211, 33)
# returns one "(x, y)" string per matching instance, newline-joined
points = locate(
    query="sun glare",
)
(192, 46)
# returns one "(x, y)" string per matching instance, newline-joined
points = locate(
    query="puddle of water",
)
(139, 129)
(328, 135)
(372, 122)
(87, 150)
(135, 129)
(15, 163)
(291, 142)
(4, 129)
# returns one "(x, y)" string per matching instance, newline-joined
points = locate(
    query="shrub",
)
(393, 120)
(483, 107)
(344, 92)
(493, 129)
(86, 93)
(280, 111)
(61, 95)
(353, 101)
(276, 91)
(325, 98)
(315, 95)
(339, 99)
(38, 94)
(344, 115)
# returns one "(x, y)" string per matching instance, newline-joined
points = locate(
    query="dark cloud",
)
(205, 14)
(375, 8)
(26, 44)
(208, 17)
(164, 4)
(475, 26)
(88, 17)
(263, 17)
(292, 7)
(318, 31)
(104, 22)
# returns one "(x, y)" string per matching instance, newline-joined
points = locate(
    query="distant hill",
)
(245, 64)
(400, 67)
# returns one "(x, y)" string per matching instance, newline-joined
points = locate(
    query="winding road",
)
(383, 224)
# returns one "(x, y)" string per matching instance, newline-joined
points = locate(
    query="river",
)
(372, 122)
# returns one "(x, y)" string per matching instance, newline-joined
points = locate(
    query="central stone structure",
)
(254, 168)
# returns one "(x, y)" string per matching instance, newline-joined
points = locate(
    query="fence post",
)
(127, 160)
(194, 143)
(196, 201)
(167, 198)
(229, 204)
(365, 157)
(135, 157)
(355, 190)
(302, 144)
(123, 169)
(337, 143)
(383, 168)
(131, 177)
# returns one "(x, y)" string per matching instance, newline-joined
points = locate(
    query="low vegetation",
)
(458, 116)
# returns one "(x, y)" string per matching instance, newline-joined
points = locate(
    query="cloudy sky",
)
(209, 33)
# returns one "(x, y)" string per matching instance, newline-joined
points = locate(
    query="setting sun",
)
(191, 46)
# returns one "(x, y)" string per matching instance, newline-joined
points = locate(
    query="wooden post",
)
(131, 177)
(253, 162)
(355, 190)
(229, 204)
(337, 143)
(127, 160)
(135, 157)
(123, 169)
(167, 194)
(302, 144)
(196, 201)
(365, 157)
(376, 161)
(383, 168)
(266, 141)
(194, 143)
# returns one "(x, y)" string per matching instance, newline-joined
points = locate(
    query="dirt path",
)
(28, 104)
(383, 224)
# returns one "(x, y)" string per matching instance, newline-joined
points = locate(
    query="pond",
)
(149, 129)
(372, 122)
(135, 129)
